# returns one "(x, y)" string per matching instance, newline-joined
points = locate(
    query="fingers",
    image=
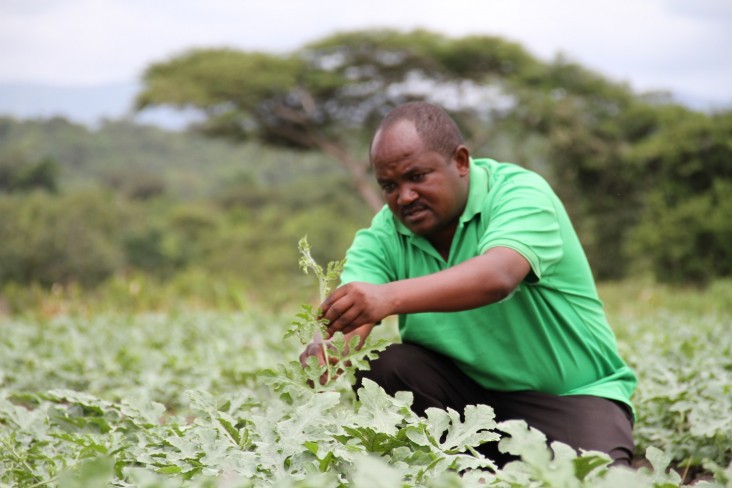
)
(349, 307)
(348, 322)
(317, 349)
(313, 349)
(340, 312)
(328, 303)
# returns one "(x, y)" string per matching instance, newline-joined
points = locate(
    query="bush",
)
(59, 240)
(688, 241)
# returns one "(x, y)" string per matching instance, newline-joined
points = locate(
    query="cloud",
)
(28, 7)
(653, 44)
(716, 11)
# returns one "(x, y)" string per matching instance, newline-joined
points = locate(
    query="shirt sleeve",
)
(523, 217)
(367, 259)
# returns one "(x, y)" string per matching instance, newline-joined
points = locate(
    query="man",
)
(496, 300)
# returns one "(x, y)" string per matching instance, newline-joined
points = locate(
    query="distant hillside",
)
(88, 105)
(127, 156)
(81, 205)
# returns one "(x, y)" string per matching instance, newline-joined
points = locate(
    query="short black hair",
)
(435, 127)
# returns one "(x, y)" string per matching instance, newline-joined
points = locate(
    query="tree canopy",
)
(612, 154)
(330, 94)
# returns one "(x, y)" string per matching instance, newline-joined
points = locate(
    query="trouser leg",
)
(433, 379)
(583, 422)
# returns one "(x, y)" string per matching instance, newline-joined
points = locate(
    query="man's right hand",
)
(316, 349)
(313, 349)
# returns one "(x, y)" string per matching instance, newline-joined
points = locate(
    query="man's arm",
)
(482, 280)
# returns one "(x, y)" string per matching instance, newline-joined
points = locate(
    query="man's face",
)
(425, 190)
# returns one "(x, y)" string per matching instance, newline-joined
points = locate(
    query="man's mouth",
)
(413, 212)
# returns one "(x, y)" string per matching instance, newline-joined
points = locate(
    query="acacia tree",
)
(573, 125)
(329, 95)
(588, 125)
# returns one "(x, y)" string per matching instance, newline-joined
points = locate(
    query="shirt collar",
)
(476, 192)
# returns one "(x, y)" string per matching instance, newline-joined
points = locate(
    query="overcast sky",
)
(683, 46)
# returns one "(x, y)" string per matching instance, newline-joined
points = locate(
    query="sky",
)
(680, 46)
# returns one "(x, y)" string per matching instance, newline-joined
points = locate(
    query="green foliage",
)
(607, 150)
(646, 182)
(227, 85)
(19, 175)
(687, 153)
(684, 400)
(252, 245)
(130, 158)
(685, 229)
(209, 399)
(262, 74)
(688, 241)
(308, 323)
(631, 301)
(50, 240)
(173, 204)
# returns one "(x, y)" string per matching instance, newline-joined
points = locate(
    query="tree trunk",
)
(360, 178)
(357, 169)
(362, 183)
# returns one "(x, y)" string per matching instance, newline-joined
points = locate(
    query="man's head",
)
(422, 168)
(435, 127)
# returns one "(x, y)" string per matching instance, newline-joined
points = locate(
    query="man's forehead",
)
(398, 136)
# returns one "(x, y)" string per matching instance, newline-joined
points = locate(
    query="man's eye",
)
(388, 187)
(417, 177)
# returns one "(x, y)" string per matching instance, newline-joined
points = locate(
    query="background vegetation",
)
(99, 225)
(126, 202)
(280, 152)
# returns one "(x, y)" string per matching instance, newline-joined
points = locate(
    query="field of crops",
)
(219, 399)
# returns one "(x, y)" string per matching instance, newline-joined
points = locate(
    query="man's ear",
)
(462, 160)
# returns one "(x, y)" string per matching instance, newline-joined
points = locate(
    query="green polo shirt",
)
(550, 335)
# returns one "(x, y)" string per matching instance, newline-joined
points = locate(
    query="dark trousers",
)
(581, 421)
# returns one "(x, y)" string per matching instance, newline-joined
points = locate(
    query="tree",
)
(51, 239)
(587, 134)
(588, 124)
(685, 227)
(329, 95)
(17, 174)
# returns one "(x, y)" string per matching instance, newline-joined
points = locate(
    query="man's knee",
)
(432, 378)
(390, 370)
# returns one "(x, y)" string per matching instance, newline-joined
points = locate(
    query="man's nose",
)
(406, 195)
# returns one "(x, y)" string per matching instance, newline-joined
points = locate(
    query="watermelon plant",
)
(210, 399)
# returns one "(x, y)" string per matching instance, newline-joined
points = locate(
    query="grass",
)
(634, 299)
(625, 301)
